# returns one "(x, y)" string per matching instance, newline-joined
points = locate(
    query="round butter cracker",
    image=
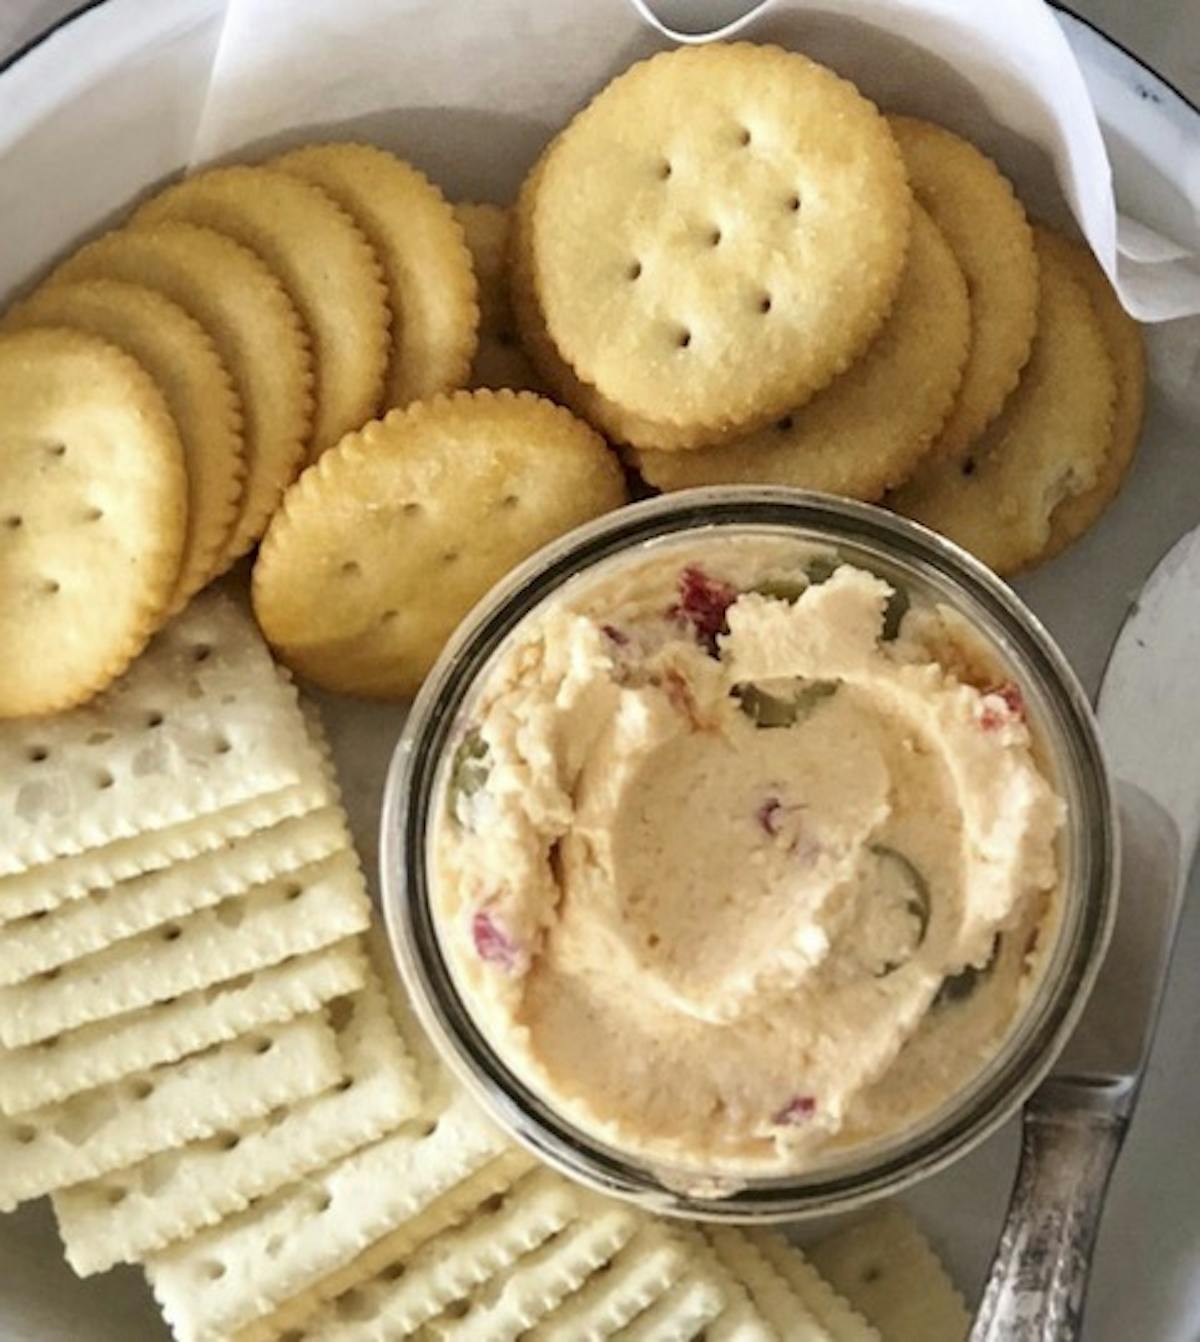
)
(93, 505)
(979, 215)
(499, 359)
(181, 359)
(426, 266)
(384, 545)
(1123, 336)
(256, 330)
(325, 264)
(718, 234)
(869, 428)
(1048, 445)
(557, 376)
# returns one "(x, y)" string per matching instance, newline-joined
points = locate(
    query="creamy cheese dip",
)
(741, 860)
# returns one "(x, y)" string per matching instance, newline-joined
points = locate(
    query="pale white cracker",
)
(117, 1125)
(200, 723)
(680, 1314)
(295, 913)
(410, 1291)
(47, 887)
(840, 1320)
(885, 1267)
(228, 1278)
(739, 1319)
(136, 1211)
(42, 942)
(641, 1273)
(454, 1208)
(534, 1286)
(107, 1050)
(770, 1292)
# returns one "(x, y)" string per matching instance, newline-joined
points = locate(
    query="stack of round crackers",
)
(730, 266)
(168, 381)
(733, 266)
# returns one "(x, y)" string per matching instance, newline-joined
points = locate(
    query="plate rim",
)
(66, 20)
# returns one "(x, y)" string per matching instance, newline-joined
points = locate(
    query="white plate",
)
(122, 84)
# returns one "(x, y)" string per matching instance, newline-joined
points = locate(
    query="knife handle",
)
(1071, 1135)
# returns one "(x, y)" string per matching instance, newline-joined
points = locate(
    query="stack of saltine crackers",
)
(213, 1072)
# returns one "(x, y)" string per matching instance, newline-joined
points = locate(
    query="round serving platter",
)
(108, 101)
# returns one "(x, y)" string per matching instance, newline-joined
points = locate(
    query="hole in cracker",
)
(744, 136)
(172, 933)
(714, 237)
(871, 1273)
(509, 501)
(786, 424)
(37, 754)
(393, 1272)
(684, 338)
(222, 746)
(664, 170)
(115, 1196)
(430, 1128)
(262, 1045)
(104, 780)
(411, 509)
(213, 1269)
(24, 1134)
(323, 1201)
(793, 202)
(13, 522)
(99, 738)
(47, 1044)
(356, 1305)
(154, 719)
(141, 1090)
(51, 974)
(230, 912)
(344, 1085)
(764, 304)
(968, 466)
(493, 1204)
(51, 587)
(388, 616)
(93, 514)
(450, 557)
(457, 1309)
(351, 568)
(229, 1141)
(57, 449)
(292, 892)
(635, 270)
(276, 1116)
(201, 652)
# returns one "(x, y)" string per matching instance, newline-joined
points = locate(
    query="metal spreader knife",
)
(1075, 1122)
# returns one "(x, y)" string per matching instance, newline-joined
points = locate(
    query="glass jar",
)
(931, 568)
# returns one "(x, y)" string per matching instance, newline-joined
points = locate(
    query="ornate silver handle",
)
(1070, 1140)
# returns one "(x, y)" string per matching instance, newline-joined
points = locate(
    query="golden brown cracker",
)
(431, 286)
(1123, 337)
(381, 549)
(978, 212)
(719, 233)
(325, 264)
(93, 505)
(256, 330)
(181, 359)
(1048, 444)
(556, 375)
(499, 359)
(867, 430)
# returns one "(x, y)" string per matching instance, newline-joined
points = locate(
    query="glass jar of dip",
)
(1068, 943)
